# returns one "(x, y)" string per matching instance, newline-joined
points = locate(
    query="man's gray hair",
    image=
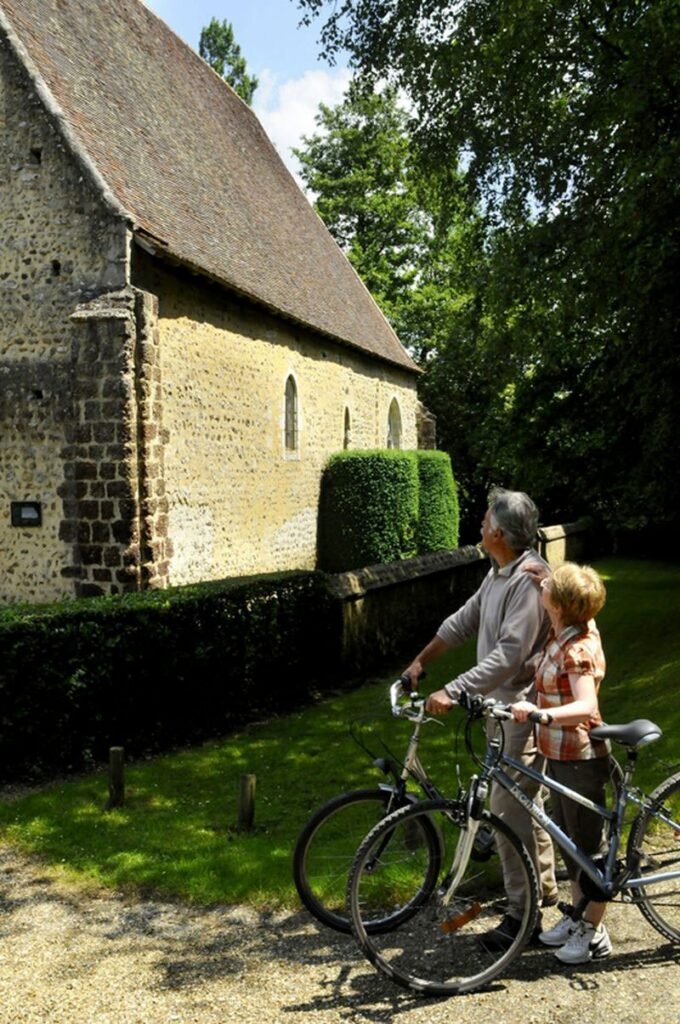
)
(515, 514)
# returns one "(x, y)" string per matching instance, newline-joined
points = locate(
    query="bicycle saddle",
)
(634, 734)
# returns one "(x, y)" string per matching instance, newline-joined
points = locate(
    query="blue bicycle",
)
(438, 947)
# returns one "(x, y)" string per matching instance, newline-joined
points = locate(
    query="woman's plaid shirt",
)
(577, 650)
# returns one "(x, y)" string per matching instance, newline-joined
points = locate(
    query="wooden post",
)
(246, 804)
(116, 777)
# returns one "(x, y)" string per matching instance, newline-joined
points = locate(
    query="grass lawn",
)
(176, 834)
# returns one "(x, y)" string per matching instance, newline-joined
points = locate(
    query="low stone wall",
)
(393, 610)
(567, 542)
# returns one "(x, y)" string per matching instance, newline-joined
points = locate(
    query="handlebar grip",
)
(408, 683)
(405, 682)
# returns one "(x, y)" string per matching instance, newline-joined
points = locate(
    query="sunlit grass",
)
(176, 833)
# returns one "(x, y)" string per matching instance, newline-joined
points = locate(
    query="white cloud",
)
(287, 109)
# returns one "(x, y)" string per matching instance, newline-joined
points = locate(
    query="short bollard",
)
(246, 803)
(116, 777)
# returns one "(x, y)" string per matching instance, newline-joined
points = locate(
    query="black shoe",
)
(501, 938)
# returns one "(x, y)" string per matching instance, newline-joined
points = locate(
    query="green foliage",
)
(218, 47)
(368, 509)
(418, 245)
(175, 832)
(559, 360)
(151, 670)
(360, 168)
(385, 505)
(438, 507)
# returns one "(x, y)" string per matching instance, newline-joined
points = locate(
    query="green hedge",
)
(382, 506)
(368, 509)
(149, 671)
(438, 515)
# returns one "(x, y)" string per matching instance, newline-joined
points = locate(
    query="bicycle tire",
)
(436, 949)
(326, 846)
(654, 846)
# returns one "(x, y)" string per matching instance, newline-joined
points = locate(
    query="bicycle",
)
(441, 950)
(325, 848)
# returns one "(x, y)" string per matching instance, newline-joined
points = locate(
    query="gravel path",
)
(68, 956)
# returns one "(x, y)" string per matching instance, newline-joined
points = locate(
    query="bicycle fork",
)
(475, 802)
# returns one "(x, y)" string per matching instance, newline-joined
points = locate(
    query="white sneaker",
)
(585, 944)
(558, 935)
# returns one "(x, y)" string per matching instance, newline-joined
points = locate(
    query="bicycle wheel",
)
(438, 948)
(654, 849)
(326, 847)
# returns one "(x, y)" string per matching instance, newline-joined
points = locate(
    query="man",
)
(508, 617)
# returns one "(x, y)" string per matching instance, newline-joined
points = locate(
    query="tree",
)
(218, 47)
(568, 114)
(416, 244)
(359, 167)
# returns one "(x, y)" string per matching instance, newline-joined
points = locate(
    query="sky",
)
(283, 56)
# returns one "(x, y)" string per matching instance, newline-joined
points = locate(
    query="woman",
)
(567, 684)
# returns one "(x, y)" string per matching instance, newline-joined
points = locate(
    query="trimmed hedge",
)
(368, 509)
(149, 671)
(385, 505)
(438, 516)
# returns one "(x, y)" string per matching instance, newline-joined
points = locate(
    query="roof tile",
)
(191, 165)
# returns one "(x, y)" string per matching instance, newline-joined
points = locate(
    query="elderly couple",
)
(536, 640)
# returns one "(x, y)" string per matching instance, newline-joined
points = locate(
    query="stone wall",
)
(238, 502)
(59, 246)
(572, 542)
(141, 409)
(114, 507)
(394, 610)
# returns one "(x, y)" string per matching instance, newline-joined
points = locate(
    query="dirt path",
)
(71, 957)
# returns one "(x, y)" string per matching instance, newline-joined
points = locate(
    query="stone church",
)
(182, 343)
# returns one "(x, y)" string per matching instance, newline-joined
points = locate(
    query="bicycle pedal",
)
(454, 923)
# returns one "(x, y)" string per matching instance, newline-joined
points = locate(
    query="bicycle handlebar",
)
(402, 688)
(486, 707)
(475, 705)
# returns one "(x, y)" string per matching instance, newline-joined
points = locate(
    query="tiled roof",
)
(189, 163)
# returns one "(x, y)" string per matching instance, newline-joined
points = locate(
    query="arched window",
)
(347, 431)
(291, 416)
(394, 425)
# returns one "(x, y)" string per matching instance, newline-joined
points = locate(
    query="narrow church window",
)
(347, 434)
(291, 422)
(36, 156)
(56, 268)
(394, 425)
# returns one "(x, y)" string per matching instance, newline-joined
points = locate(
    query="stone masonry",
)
(142, 402)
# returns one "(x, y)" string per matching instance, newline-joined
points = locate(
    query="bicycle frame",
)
(606, 879)
(412, 767)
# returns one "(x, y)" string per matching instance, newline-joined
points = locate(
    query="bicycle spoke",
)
(654, 846)
(442, 944)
